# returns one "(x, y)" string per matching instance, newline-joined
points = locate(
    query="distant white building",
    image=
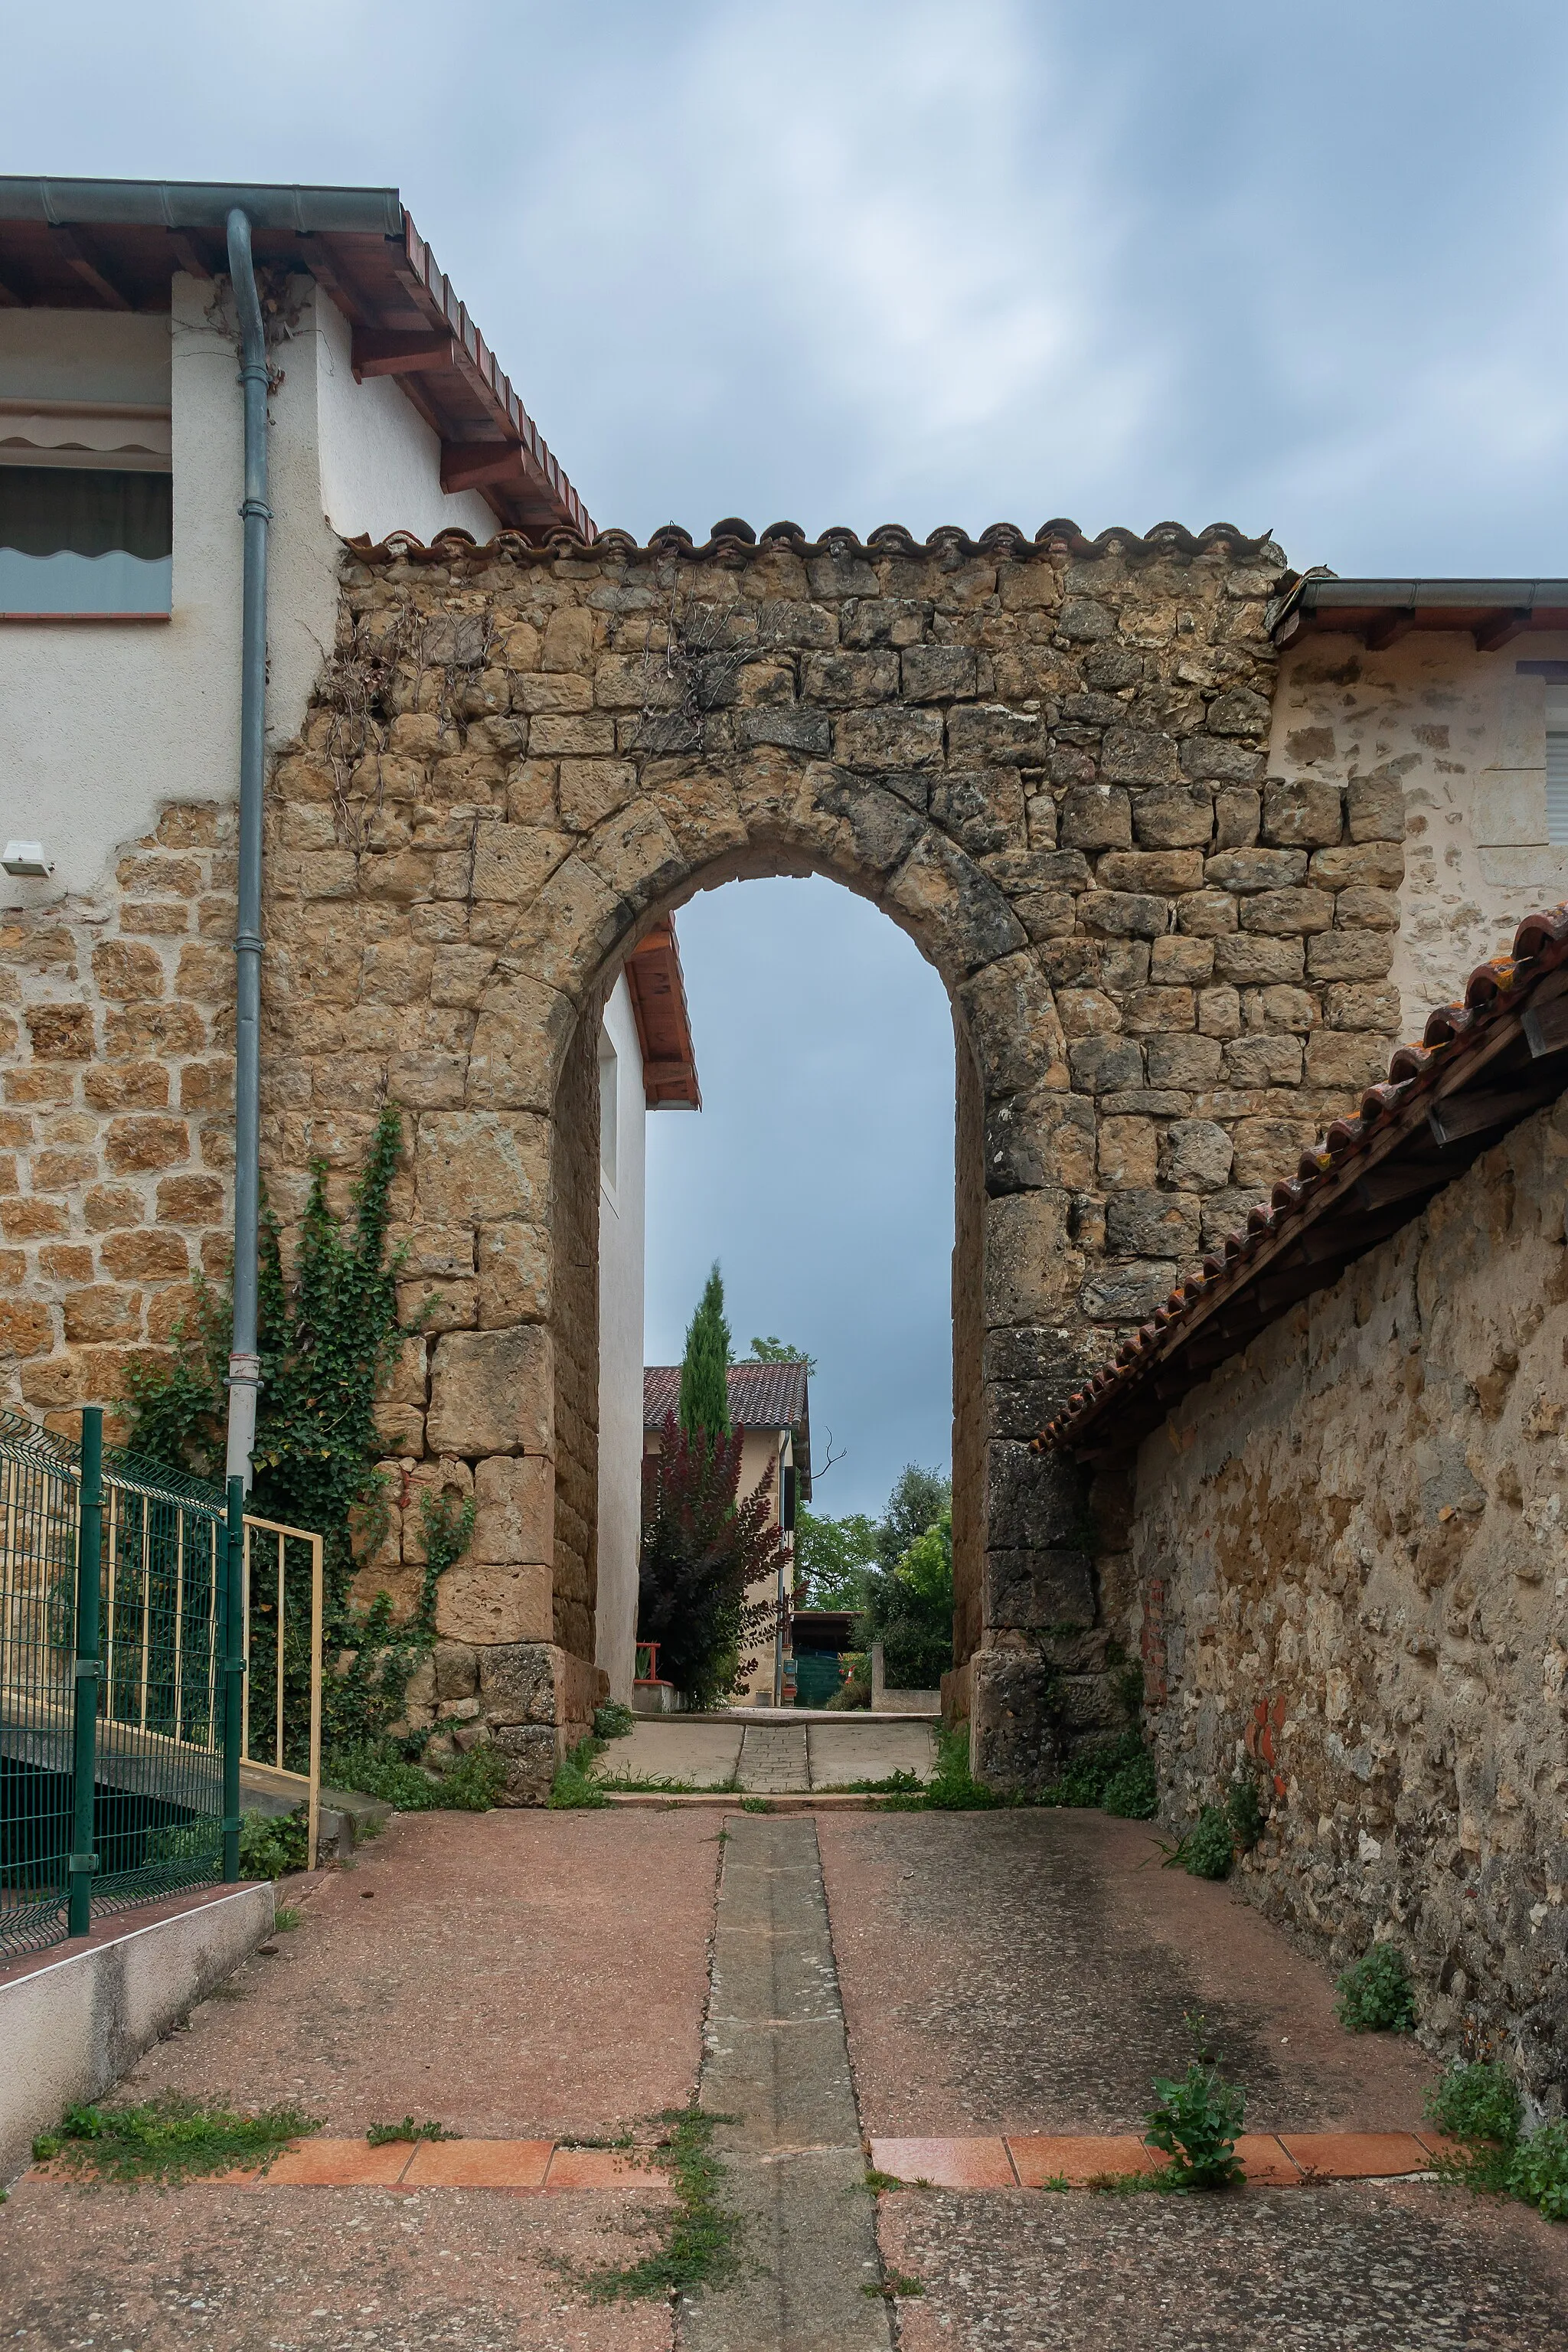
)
(646, 1063)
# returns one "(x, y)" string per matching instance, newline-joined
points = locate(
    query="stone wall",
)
(116, 1031)
(1344, 1559)
(1453, 743)
(1044, 758)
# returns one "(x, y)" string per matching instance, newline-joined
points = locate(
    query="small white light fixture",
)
(27, 857)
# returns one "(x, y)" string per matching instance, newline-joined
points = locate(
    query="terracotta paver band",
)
(602, 2168)
(340, 2163)
(1356, 2156)
(478, 2164)
(1266, 2163)
(1036, 2159)
(1040, 2158)
(946, 2163)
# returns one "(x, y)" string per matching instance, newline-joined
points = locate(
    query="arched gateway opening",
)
(1029, 754)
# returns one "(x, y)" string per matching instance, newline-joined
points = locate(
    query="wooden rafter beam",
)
(1388, 629)
(380, 352)
(189, 254)
(77, 257)
(1501, 630)
(470, 464)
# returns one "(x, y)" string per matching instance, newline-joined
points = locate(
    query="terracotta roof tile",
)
(761, 1396)
(733, 540)
(1416, 1132)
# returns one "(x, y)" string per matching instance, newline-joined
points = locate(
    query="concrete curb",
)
(75, 2017)
(733, 1800)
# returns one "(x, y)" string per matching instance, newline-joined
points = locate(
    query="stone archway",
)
(1041, 758)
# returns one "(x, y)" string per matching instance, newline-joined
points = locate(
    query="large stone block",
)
(477, 1166)
(1015, 1733)
(954, 908)
(484, 1603)
(493, 1392)
(1037, 1591)
(1175, 816)
(1030, 1267)
(530, 1750)
(1152, 1224)
(514, 1521)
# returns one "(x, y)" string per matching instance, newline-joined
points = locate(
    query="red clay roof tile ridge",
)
(736, 541)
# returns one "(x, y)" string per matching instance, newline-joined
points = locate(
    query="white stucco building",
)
(646, 1063)
(121, 480)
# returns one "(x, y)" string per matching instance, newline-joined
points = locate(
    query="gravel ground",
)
(208, 2269)
(478, 1969)
(1355, 2269)
(1029, 1971)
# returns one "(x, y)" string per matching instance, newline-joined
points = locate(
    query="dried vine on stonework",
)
(366, 685)
(699, 660)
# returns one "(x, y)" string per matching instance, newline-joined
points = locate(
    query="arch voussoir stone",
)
(1017, 749)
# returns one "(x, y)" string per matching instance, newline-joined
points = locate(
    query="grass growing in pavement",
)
(287, 1917)
(702, 2237)
(168, 2139)
(574, 1785)
(382, 2135)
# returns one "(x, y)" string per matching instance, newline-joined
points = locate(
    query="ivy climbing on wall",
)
(327, 1335)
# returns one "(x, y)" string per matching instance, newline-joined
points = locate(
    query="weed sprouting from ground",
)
(168, 2139)
(376, 1767)
(1207, 1850)
(574, 1785)
(382, 2135)
(755, 1805)
(1376, 1994)
(1197, 2121)
(898, 2285)
(287, 1917)
(1538, 2173)
(702, 2240)
(273, 1845)
(1477, 2103)
(613, 1721)
(1478, 2106)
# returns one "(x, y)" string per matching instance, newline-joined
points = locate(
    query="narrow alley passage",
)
(928, 1994)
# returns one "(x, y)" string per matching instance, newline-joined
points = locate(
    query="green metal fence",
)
(120, 1693)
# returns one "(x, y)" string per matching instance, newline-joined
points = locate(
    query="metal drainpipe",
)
(244, 1363)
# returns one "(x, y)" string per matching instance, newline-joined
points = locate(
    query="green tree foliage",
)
(834, 1558)
(328, 1336)
(909, 1609)
(916, 1503)
(702, 1549)
(704, 1368)
(778, 1351)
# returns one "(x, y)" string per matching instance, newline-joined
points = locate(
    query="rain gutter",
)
(245, 1363)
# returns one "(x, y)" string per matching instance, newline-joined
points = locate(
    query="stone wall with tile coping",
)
(1345, 1563)
(1045, 761)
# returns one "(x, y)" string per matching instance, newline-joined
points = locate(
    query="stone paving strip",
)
(775, 2072)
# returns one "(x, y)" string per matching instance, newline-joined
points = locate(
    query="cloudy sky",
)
(846, 261)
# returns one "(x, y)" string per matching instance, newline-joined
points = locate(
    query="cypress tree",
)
(704, 1385)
